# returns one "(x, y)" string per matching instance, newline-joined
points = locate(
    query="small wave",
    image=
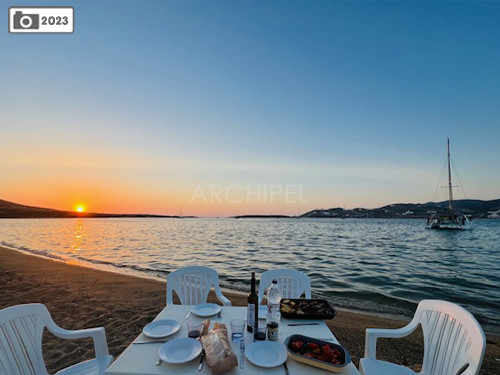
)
(47, 254)
(42, 253)
(121, 265)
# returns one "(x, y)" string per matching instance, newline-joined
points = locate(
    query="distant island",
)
(261, 217)
(10, 210)
(474, 207)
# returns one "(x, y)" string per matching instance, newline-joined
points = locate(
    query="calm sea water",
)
(367, 264)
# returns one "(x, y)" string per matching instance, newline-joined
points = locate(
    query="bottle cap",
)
(259, 336)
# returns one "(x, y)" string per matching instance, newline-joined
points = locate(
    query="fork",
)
(189, 313)
(200, 365)
(242, 351)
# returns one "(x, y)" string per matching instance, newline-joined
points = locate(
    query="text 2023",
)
(54, 20)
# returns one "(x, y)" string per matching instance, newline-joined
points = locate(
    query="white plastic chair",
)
(192, 285)
(292, 283)
(454, 342)
(21, 329)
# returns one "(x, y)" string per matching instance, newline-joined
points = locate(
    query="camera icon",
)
(26, 21)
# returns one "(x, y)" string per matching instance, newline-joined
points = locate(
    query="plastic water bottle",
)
(273, 303)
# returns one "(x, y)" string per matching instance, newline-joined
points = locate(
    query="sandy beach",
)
(80, 297)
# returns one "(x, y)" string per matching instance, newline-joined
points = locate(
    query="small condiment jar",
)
(272, 331)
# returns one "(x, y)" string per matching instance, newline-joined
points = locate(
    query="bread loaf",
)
(218, 353)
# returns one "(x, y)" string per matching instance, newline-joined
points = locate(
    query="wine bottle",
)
(257, 335)
(252, 307)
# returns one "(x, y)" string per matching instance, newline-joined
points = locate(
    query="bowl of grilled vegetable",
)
(302, 308)
(318, 353)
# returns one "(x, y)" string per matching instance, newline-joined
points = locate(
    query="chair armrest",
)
(225, 301)
(372, 334)
(97, 334)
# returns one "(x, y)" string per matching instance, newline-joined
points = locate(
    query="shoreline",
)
(151, 276)
(231, 289)
(83, 297)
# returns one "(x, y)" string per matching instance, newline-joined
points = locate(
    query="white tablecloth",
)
(140, 359)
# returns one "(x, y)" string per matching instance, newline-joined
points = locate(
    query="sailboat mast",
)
(450, 190)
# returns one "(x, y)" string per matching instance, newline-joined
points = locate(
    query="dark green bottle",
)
(252, 306)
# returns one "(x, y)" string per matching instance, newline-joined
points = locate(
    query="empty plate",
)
(266, 353)
(206, 309)
(180, 350)
(161, 328)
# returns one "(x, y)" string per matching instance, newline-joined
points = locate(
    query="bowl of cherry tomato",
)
(318, 353)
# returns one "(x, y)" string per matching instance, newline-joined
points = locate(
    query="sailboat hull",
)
(449, 226)
(447, 223)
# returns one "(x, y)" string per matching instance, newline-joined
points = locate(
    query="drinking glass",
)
(261, 331)
(237, 329)
(194, 328)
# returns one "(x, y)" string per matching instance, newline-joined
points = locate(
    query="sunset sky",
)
(149, 106)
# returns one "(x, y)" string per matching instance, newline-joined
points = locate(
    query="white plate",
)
(266, 353)
(180, 350)
(206, 309)
(263, 312)
(161, 328)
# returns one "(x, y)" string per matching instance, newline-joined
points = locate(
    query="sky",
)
(272, 107)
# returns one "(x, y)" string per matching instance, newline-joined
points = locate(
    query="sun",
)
(80, 208)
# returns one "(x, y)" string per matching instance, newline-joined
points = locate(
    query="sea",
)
(382, 266)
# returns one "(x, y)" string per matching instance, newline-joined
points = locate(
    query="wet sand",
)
(79, 297)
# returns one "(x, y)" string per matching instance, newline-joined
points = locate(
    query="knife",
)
(200, 366)
(286, 368)
(150, 342)
(302, 324)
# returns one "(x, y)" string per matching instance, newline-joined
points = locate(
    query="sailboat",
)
(450, 219)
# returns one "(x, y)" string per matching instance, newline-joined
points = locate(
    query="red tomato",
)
(295, 346)
(329, 354)
(312, 345)
(326, 348)
(322, 357)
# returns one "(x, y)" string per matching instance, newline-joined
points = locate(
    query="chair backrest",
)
(453, 339)
(192, 284)
(21, 330)
(292, 283)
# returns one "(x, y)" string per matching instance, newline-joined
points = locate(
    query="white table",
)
(139, 359)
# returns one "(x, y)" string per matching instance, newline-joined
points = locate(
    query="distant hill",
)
(261, 217)
(474, 207)
(14, 210)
